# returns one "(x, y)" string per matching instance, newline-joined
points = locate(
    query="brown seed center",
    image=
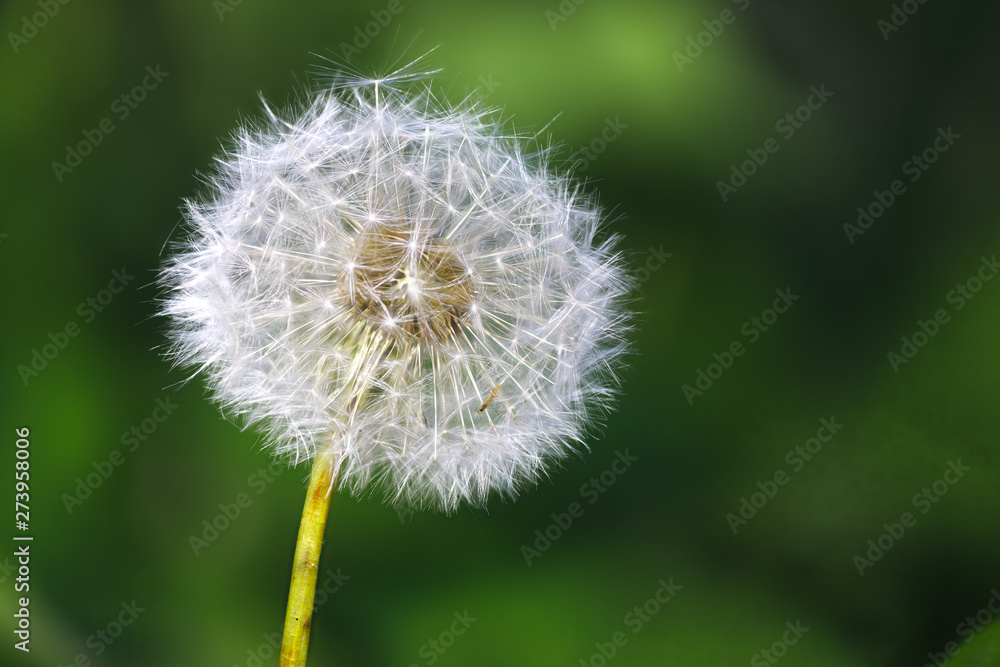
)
(407, 283)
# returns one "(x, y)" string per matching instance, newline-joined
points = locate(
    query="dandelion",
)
(392, 288)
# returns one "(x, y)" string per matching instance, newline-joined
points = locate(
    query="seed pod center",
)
(408, 283)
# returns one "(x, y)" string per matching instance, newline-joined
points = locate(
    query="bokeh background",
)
(678, 128)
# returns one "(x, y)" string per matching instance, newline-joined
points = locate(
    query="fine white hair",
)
(396, 280)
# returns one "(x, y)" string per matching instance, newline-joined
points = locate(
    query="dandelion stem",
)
(298, 619)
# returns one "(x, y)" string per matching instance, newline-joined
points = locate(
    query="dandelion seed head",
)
(368, 273)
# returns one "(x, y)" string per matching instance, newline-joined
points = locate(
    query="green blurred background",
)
(678, 130)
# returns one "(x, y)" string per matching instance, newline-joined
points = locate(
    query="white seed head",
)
(394, 279)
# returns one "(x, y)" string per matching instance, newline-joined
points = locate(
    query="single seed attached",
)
(489, 399)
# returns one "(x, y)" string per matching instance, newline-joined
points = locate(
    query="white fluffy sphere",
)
(392, 278)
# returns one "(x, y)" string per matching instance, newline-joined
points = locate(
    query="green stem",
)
(298, 618)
